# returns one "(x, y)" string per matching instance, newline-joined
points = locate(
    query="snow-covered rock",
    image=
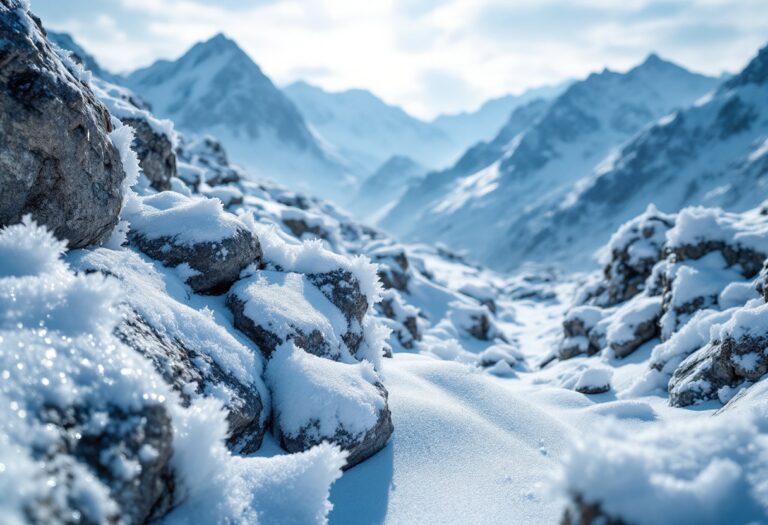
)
(317, 400)
(59, 148)
(196, 236)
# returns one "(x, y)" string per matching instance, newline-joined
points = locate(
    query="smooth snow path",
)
(466, 449)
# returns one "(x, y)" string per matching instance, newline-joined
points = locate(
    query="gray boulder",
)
(57, 161)
(215, 265)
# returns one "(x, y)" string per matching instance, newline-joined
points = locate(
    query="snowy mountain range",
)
(469, 127)
(366, 131)
(503, 187)
(215, 88)
(712, 153)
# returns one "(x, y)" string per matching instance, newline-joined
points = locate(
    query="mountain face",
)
(468, 128)
(385, 187)
(714, 153)
(216, 88)
(537, 160)
(365, 130)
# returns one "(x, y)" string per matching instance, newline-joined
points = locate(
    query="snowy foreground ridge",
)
(181, 343)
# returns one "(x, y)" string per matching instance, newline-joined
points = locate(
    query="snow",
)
(185, 220)
(707, 471)
(221, 488)
(698, 224)
(463, 435)
(594, 378)
(318, 397)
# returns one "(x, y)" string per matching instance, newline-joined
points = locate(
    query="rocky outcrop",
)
(404, 319)
(57, 161)
(634, 250)
(155, 152)
(577, 325)
(393, 268)
(359, 448)
(188, 370)
(214, 265)
(717, 368)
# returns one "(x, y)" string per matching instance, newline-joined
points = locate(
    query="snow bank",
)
(705, 471)
(217, 487)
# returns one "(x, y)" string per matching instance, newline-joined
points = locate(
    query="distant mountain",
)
(470, 127)
(366, 131)
(484, 203)
(713, 153)
(216, 88)
(80, 55)
(385, 187)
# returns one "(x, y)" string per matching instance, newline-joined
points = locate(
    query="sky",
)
(428, 56)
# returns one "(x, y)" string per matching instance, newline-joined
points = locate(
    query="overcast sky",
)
(428, 56)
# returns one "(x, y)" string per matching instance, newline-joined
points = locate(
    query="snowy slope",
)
(537, 168)
(216, 88)
(366, 131)
(714, 153)
(385, 187)
(469, 127)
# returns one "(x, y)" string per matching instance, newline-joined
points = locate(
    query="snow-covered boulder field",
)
(158, 333)
(184, 343)
(685, 292)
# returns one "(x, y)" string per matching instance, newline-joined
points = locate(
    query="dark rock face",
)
(56, 159)
(343, 290)
(218, 264)
(407, 330)
(726, 363)
(299, 227)
(182, 366)
(156, 155)
(140, 495)
(359, 448)
(393, 270)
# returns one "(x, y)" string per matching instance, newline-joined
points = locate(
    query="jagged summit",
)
(216, 88)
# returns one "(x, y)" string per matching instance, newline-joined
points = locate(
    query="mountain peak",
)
(756, 71)
(654, 62)
(219, 42)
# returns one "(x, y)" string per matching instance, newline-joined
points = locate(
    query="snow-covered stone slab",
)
(316, 400)
(272, 308)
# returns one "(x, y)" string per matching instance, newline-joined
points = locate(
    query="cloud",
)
(428, 55)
